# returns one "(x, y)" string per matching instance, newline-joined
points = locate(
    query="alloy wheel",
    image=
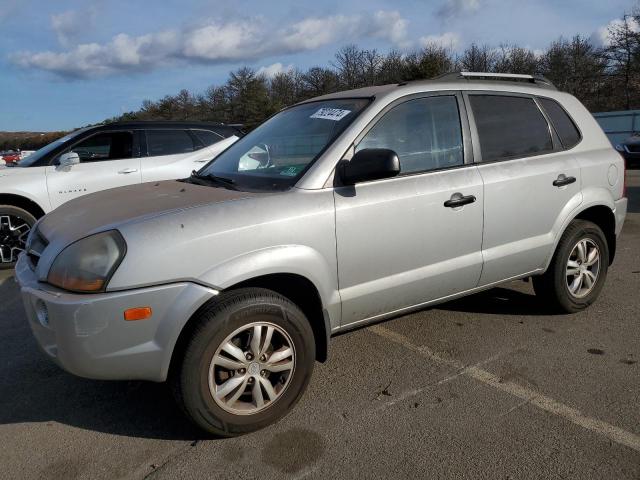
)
(252, 368)
(583, 267)
(13, 236)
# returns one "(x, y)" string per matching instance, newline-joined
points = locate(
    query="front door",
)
(107, 160)
(398, 244)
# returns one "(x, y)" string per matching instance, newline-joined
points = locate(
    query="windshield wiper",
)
(211, 178)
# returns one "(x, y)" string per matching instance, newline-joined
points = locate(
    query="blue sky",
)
(65, 64)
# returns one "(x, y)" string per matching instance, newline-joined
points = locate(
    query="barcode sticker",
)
(334, 114)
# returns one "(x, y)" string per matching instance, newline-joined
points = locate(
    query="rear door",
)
(530, 183)
(107, 160)
(398, 244)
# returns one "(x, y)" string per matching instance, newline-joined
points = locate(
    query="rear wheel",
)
(578, 269)
(248, 361)
(15, 225)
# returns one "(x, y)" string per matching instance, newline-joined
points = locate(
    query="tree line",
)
(604, 77)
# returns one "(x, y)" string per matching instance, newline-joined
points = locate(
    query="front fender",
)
(294, 259)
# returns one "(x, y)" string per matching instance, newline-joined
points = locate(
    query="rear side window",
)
(169, 142)
(425, 133)
(207, 137)
(509, 127)
(565, 128)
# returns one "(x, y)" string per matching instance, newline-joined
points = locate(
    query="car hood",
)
(110, 209)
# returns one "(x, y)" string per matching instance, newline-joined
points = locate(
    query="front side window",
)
(509, 126)
(425, 133)
(277, 153)
(105, 146)
(169, 142)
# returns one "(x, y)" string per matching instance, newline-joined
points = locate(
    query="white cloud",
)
(454, 8)
(274, 69)
(602, 36)
(448, 40)
(212, 42)
(69, 25)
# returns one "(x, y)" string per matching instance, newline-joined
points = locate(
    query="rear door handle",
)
(128, 170)
(458, 200)
(563, 180)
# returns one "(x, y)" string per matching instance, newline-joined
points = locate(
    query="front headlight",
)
(620, 148)
(88, 264)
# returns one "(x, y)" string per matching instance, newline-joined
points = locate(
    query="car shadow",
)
(499, 301)
(633, 194)
(34, 390)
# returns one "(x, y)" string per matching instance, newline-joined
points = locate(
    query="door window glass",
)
(169, 142)
(509, 127)
(105, 146)
(425, 133)
(207, 137)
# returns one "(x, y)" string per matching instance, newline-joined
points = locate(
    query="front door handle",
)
(458, 200)
(563, 180)
(128, 170)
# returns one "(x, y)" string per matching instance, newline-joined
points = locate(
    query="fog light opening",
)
(42, 312)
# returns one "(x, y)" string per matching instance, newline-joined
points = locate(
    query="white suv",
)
(98, 158)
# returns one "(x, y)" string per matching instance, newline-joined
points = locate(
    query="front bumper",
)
(86, 334)
(620, 213)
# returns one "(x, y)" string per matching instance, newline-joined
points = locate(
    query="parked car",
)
(630, 150)
(355, 207)
(99, 158)
(11, 158)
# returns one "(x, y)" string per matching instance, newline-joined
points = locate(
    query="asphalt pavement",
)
(489, 386)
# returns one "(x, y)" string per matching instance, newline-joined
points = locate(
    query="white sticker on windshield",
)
(334, 114)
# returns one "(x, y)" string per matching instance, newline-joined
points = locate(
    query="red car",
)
(11, 157)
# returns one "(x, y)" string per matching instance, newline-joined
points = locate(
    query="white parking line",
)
(613, 433)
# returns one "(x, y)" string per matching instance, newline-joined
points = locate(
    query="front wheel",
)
(15, 225)
(578, 269)
(248, 361)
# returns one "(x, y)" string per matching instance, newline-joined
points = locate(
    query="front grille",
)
(36, 245)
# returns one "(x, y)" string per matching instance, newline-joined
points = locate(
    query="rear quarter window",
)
(509, 127)
(565, 127)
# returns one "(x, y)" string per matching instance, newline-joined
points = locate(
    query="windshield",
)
(38, 154)
(277, 153)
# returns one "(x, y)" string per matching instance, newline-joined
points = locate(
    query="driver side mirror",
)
(370, 164)
(68, 159)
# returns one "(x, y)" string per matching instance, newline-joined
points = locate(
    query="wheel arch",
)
(298, 289)
(600, 214)
(23, 202)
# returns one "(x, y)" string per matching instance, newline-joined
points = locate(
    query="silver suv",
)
(337, 212)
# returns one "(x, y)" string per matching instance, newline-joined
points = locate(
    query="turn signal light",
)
(139, 313)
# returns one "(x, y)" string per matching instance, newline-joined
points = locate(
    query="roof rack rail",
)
(536, 80)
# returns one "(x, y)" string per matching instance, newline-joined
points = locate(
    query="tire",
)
(199, 373)
(15, 225)
(556, 284)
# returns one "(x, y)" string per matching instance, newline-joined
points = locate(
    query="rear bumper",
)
(620, 212)
(87, 335)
